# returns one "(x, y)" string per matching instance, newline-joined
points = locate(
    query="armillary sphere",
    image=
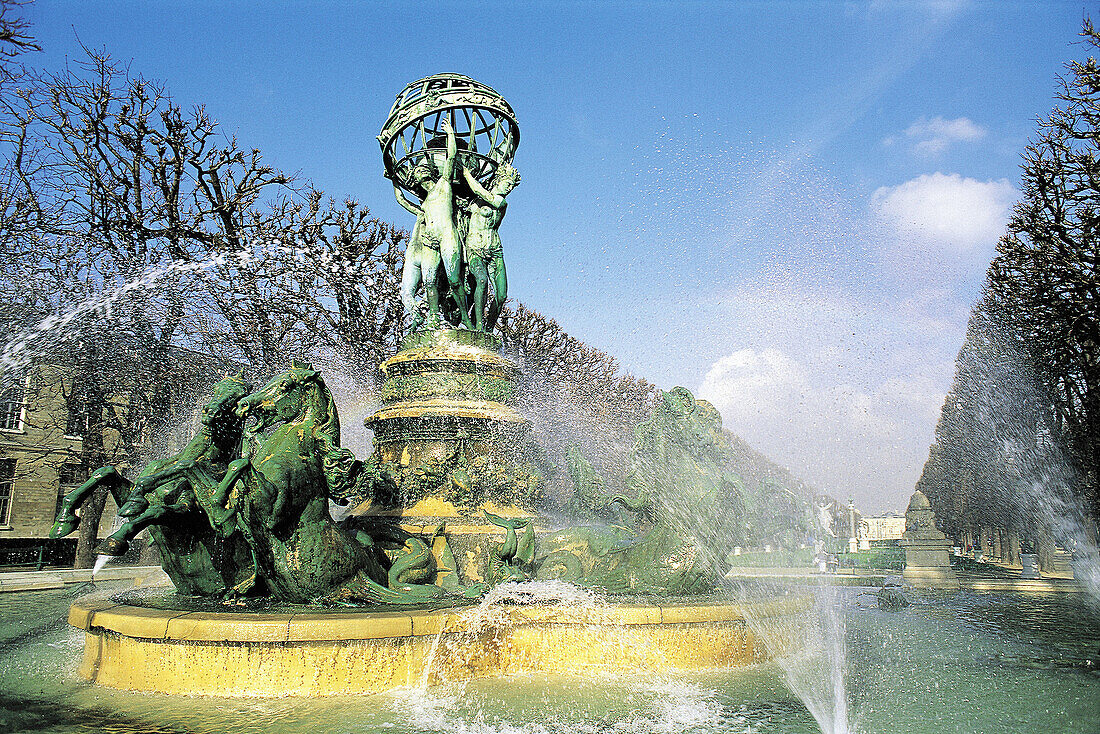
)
(483, 121)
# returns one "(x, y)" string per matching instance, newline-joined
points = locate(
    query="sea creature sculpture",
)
(677, 463)
(511, 560)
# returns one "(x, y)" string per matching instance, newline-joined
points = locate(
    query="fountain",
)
(446, 509)
(445, 600)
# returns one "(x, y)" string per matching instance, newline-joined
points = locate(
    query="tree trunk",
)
(90, 514)
(1046, 552)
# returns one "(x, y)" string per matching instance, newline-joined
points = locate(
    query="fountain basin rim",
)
(294, 653)
(100, 615)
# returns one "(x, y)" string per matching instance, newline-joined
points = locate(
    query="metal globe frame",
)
(483, 121)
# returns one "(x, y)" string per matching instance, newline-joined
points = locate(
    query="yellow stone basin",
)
(322, 653)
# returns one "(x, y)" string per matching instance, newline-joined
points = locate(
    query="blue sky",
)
(787, 207)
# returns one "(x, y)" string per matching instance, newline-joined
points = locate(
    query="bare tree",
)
(320, 278)
(15, 37)
(115, 199)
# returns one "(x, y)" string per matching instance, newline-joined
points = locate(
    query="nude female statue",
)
(436, 239)
(420, 268)
(484, 254)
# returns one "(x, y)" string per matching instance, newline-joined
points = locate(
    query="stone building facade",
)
(41, 437)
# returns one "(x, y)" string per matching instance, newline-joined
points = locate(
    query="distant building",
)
(41, 434)
(44, 422)
(886, 527)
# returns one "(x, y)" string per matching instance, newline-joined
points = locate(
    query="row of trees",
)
(1018, 441)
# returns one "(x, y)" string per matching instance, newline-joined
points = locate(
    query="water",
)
(20, 351)
(969, 662)
(101, 562)
(815, 669)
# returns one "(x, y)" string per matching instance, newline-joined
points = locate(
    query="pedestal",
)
(1030, 563)
(448, 429)
(927, 557)
(928, 563)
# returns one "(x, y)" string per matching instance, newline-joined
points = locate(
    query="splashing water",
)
(658, 707)
(548, 593)
(811, 650)
(816, 674)
(1068, 523)
(486, 614)
(100, 562)
(20, 350)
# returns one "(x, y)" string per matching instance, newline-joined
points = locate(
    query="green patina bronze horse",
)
(280, 493)
(172, 497)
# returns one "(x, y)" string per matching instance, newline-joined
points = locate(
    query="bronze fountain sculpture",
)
(252, 489)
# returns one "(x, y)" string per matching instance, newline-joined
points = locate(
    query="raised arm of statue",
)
(410, 207)
(452, 151)
(494, 200)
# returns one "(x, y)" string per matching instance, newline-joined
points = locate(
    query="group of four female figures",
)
(454, 239)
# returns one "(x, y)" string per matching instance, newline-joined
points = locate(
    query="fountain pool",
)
(960, 662)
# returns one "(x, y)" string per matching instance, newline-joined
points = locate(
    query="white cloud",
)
(841, 384)
(946, 212)
(932, 136)
(866, 443)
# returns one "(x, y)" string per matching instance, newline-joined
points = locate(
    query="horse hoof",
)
(61, 528)
(113, 547)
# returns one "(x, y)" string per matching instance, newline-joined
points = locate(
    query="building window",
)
(7, 482)
(13, 401)
(70, 473)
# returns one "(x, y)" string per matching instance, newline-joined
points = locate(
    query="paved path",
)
(57, 578)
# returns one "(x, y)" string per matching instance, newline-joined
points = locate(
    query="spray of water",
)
(1067, 522)
(811, 651)
(20, 351)
(491, 613)
(100, 562)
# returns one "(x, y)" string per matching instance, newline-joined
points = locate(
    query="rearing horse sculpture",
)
(172, 497)
(280, 492)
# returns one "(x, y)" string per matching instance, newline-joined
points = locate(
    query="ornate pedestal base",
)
(448, 428)
(928, 563)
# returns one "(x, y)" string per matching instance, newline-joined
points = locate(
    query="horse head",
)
(295, 396)
(220, 412)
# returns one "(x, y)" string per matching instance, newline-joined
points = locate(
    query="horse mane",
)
(339, 465)
(327, 420)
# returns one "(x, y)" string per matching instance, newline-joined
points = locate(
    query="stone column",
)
(447, 424)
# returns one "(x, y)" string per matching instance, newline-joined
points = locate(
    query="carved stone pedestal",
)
(447, 389)
(927, 550)
(448, 427)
